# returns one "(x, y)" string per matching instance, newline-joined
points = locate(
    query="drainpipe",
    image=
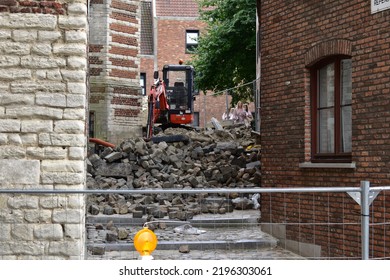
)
(155, 35)
(227, 102)
(205, 110)
(258, 69)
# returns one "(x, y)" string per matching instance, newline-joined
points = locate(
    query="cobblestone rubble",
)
(209, 159)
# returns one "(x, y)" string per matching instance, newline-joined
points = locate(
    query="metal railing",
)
(364, 195)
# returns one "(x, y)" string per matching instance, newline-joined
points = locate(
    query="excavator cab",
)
(179, 85)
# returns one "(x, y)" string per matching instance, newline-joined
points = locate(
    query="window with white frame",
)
(192, 37)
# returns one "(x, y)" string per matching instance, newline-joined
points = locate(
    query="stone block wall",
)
(43, 66)
(116, 98)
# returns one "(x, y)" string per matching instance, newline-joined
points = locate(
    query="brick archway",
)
(327, 48)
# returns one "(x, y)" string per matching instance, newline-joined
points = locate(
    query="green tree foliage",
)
(226, 52)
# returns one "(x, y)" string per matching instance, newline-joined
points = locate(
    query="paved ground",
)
(207, 237)
(260, 254)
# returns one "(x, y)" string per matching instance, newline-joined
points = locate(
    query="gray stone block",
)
(21, 171)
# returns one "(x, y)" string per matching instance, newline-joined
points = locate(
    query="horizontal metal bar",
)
(383, 188)
(183, 191)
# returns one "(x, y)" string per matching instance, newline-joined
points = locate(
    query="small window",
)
(331, 89)
(142, 81)
(91, 126)
(192, 37)
(195, 122)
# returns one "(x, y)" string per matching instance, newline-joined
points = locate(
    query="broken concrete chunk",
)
(113, 156)
(188, 229)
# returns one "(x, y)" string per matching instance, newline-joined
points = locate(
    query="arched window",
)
(331, 101)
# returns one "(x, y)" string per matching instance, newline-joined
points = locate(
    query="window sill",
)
(351, 165)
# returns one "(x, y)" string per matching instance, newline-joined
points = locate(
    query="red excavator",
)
(170, 104)
(171, 99)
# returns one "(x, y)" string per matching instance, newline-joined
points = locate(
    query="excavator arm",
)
(157, 106)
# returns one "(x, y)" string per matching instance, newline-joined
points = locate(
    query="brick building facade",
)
(166, 44)
(128, 41)
(115, 93)
(325, 120)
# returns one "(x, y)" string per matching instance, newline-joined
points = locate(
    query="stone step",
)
(204, 222)
(192, 245)
(235, 218)
(238, 230)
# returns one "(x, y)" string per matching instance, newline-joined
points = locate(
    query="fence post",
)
(365, 222)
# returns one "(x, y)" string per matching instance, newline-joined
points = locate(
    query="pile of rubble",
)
(211, 158)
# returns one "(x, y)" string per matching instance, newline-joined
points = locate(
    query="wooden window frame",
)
(338, 156)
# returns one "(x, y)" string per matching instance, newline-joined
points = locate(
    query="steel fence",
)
(240, 230)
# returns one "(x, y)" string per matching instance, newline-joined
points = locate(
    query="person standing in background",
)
(248, 117)
(240, 114)
(229, 115)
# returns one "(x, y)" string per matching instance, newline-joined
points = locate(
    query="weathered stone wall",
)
(43, 65)
(114, 69)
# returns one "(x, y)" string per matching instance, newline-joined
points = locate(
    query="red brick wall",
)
(95, 62)
(33, 6)
(123, 31)
(147, 67)
(171, 48)
(288, 33)
(172, 38)
(210, 106)
(125, 35)
(123, 41)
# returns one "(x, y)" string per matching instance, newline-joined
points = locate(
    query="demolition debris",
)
(211, 158)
